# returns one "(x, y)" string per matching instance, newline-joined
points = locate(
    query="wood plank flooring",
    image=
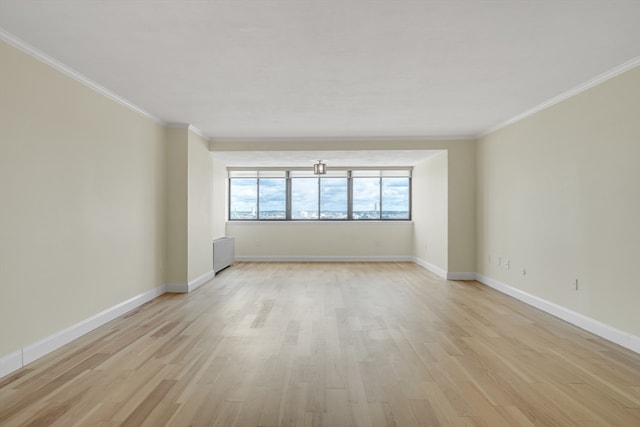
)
(330, 344)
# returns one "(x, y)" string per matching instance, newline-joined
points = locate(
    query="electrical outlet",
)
(508, 265)
(524, 271)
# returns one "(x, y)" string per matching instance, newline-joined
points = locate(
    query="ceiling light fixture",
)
(320, 168)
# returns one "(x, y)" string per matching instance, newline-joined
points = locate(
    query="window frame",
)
(288, 174)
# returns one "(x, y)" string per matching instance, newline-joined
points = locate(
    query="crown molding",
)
(69, 72)
(189, 127)
(198, 132)
(178, 125)
(345, 139)
(614, 72)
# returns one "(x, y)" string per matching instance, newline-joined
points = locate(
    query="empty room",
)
(319, 213)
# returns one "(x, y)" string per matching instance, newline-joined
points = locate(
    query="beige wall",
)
(219, 212)
(430, 210)
(82, 202)
(199, 207)
(559, 195)
(322, 239)
(189, 207)
(176, 207)
(462, 206)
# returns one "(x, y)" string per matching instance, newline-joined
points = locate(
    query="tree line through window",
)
(338, 195)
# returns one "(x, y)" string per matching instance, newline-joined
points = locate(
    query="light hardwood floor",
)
(330, 344)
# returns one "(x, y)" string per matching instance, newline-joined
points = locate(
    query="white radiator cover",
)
(224, 252)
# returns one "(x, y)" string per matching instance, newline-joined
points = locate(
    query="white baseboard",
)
(10, 363)
(178, 288)
(325, 258)
(431, 267)
(195, 284)
(625, 339)
(452, 275)
(449, 275)
(28, 354)
(185, 288)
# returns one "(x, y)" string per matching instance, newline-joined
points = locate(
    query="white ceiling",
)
(332, 68)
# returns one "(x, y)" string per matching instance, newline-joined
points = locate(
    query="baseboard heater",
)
(224, 250)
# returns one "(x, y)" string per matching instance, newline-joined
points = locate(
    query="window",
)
(243, 198)
(272, 195)
(366, 195)
(339, 195)
(304, 198)
(394, 198)
(334, 197)
(381, 195)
